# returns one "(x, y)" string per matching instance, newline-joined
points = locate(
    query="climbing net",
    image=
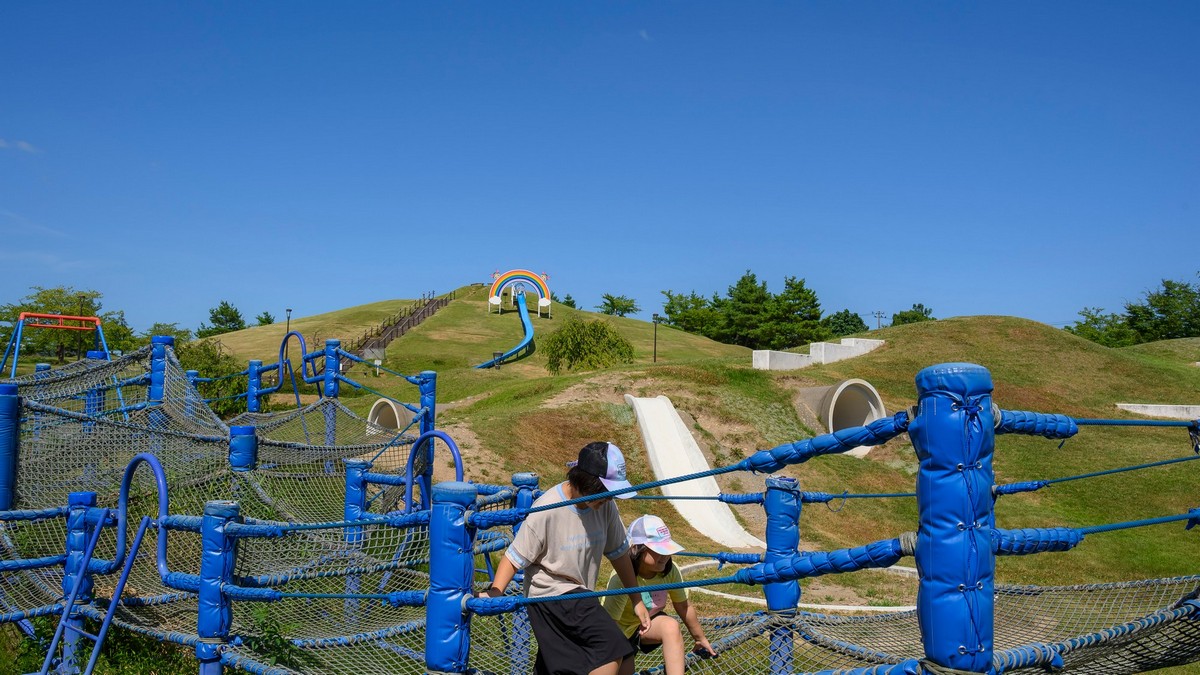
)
(331, 547)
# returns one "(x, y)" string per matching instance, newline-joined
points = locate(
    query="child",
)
(560, 549)
(651, 548)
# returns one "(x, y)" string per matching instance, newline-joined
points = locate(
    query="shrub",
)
(585, 345)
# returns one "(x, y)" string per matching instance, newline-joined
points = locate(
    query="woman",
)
(651, 549)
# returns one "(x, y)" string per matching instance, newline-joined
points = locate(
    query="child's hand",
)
(491, 592)
(643, 616)
(703, 649)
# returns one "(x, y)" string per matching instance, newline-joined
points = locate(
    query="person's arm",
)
(687, 612)
(624, 569)
(505, 571)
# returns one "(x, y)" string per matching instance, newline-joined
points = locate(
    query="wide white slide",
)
(674, 452)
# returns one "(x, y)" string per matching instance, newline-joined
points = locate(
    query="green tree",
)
(744, 311)
(225, 318)
(211, 359)
(567, 301)
(1110, 330)
(844, 322)
(793, 317)
(117, 334)
(917, 314)
(265, 319)
(585, 345)
(182, 335)
(692, 313)
(1172, 311)
(617, 305)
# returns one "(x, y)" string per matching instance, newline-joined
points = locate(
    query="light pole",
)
(287, 329)
(656, 338)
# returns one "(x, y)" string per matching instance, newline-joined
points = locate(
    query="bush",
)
(585, 345)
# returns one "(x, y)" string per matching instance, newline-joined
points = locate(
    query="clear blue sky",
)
(1023, 158)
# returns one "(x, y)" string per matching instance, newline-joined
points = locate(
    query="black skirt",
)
(575, 636)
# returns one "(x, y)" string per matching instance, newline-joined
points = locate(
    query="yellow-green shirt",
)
(619, 607)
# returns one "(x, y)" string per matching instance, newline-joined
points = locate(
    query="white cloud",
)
(23, 146)
(27, 226)
(42, 259)
(644, 35)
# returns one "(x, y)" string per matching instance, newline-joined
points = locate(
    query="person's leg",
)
(665, 631)
(611, 668)
(626, 666)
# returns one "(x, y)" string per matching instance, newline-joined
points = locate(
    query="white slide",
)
(673, 452)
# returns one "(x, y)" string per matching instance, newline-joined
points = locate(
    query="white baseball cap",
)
(653, 533)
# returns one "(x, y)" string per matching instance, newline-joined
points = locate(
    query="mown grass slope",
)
(521, 418)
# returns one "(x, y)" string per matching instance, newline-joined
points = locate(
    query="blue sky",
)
(1021, 158)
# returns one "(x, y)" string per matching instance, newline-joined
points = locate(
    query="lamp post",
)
(655, 338)
(287, 329)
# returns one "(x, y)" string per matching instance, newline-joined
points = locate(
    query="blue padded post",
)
(10, 439)
(451, 571)
(156, 390)
(192, 397)
(94, 398)
(954, 439)
(254, 386)
(158, 366)
(217, 558)
(78, 504)
(428, 403)
(333, 365)
(97, 354)
(354, 508)
(41, 367)
(330, 390)
(782, 504)
(521, 645)
(243, 448)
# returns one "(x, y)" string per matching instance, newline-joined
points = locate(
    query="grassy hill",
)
(520, 418)
(1183, 349)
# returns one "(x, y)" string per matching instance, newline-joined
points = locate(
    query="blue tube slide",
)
(523, 344)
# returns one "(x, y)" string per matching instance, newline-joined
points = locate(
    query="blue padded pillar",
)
(78, 504)
(94, 399)
(451, 572)
(353, 509)
(158, 366)
(254, 386)
(521, 645)
(333, 365)
(192, 397)
(782, 504)
(243, 448)
(10, 439)
(428, 404)
(330, 390)
(953, 437)
(217, 558)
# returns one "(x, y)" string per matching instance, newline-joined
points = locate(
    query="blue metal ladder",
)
(64, 623)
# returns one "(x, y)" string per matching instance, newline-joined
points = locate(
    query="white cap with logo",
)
(652, 532)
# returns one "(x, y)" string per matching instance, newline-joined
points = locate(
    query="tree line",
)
(1170, 311)
(750, 315)
(118, 335)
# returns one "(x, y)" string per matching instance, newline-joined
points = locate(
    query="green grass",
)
(531, 420)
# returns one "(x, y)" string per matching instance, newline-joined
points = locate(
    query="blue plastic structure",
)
(525, 342)
(953, 436)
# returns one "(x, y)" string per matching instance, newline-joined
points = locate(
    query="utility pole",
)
(878, 318)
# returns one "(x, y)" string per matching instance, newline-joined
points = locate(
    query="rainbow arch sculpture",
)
(512, 277)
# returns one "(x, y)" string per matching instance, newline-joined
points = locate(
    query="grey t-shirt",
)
(560, 549)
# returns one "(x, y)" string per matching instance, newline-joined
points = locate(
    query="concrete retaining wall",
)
(818, 353)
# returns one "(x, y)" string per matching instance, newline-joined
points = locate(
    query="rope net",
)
(82, 424)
